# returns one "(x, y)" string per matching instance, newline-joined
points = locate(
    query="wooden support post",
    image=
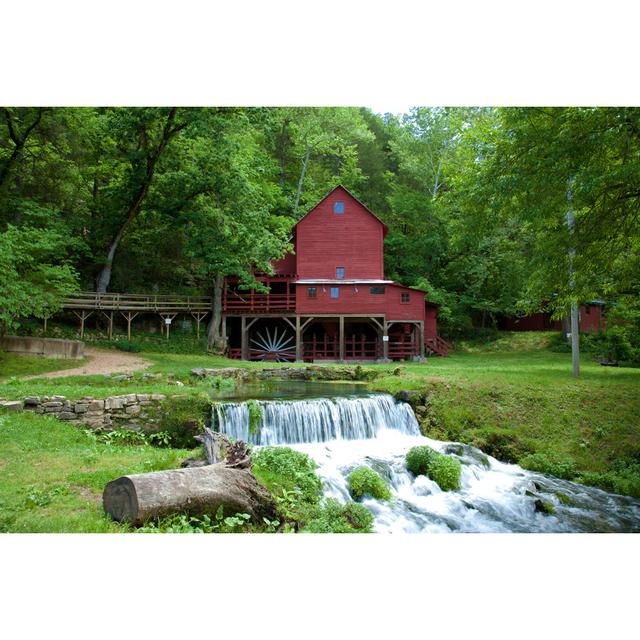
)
(128, 316)
(165, 317)
(45, 325)
(421, 339)
(244, 342)
(385, 340)
(341, 358)
(83, 315)
(109, 317)
(199, 317)
(298, 340)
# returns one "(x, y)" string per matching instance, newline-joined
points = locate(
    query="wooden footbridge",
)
(130, 305)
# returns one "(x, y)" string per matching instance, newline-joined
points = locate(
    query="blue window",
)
(335, 292)
(338, 206)
(339, 273)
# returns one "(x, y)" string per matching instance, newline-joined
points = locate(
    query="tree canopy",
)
(174, 199)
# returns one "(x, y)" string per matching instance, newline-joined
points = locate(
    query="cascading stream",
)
(341, 434)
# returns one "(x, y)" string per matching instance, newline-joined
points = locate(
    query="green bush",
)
(419, 459)
(182, 418)
(623, 479)
(554, 465)
(281, 468)
(446, 472)
(365, 481)
(332, 517)
(129, 346)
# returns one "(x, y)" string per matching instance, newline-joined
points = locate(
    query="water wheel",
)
(274, 348)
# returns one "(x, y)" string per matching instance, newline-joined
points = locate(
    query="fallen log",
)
(194, 491)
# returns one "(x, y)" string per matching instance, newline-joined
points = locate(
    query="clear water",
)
(341, 434)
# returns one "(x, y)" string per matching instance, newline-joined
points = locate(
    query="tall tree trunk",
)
(18, 141)
(305, 162)
(169, 131)
(215, 340)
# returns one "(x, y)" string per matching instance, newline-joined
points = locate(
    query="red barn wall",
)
(353, 240)
(591, 319)
(431, 322)
(362, 301)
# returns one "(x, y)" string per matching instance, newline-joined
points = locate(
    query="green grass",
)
(515, 402)
(52, 474)
(12, 364)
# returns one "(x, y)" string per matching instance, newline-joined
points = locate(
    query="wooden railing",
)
(136, 302)
(258, 302)
(438, 345)
(400, 349)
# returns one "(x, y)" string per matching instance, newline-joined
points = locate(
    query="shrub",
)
(419, 459)
(358, 516)
(446, 472)
(281, 468)
(559, 466)
(332, 517)
(129, 346)
(365, 481)
(182, 418)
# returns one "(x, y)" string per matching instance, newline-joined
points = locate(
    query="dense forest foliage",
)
(171, 200)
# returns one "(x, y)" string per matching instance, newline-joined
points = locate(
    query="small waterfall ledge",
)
(315, 420)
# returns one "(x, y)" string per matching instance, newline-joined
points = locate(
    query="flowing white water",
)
(316, 420)
(376, 431)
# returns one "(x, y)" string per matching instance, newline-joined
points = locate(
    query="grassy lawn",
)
(512, 397)
(12, 364)
(52, 474)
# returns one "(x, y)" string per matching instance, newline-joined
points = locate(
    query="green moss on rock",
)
(365, 481)
(419, 459)
(446, 472)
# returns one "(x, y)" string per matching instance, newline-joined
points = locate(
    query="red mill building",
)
(330, 299)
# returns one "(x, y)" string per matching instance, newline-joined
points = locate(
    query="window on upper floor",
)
(311, 292)
(405, 297)
(339, 273)
(335, 292)
(338, 206)
(377, 291)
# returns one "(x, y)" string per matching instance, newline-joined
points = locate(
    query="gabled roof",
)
(364, 206)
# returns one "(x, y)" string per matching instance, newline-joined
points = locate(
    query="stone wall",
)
(135, 411)
(47, 347)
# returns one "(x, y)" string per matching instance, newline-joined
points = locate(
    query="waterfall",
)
(316, 420)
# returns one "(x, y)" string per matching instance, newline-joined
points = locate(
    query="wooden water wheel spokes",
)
(277, 347)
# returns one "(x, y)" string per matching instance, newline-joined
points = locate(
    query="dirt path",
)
(100, 362)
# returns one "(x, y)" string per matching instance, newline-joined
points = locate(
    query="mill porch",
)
(337, 338)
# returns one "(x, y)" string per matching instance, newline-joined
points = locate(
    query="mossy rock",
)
(365, 481)
(419, 459)
(446, 472)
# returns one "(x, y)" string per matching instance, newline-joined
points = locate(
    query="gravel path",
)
(100, 362)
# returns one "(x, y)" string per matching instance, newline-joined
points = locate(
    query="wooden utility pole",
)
(575, 325)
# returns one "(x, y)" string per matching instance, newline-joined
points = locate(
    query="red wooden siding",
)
(359, 299)
(353, 240)
(591, 320)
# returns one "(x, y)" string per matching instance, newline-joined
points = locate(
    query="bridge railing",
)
(136, 302)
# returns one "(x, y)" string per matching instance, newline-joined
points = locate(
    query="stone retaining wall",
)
(135, 411)
(47, 347)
